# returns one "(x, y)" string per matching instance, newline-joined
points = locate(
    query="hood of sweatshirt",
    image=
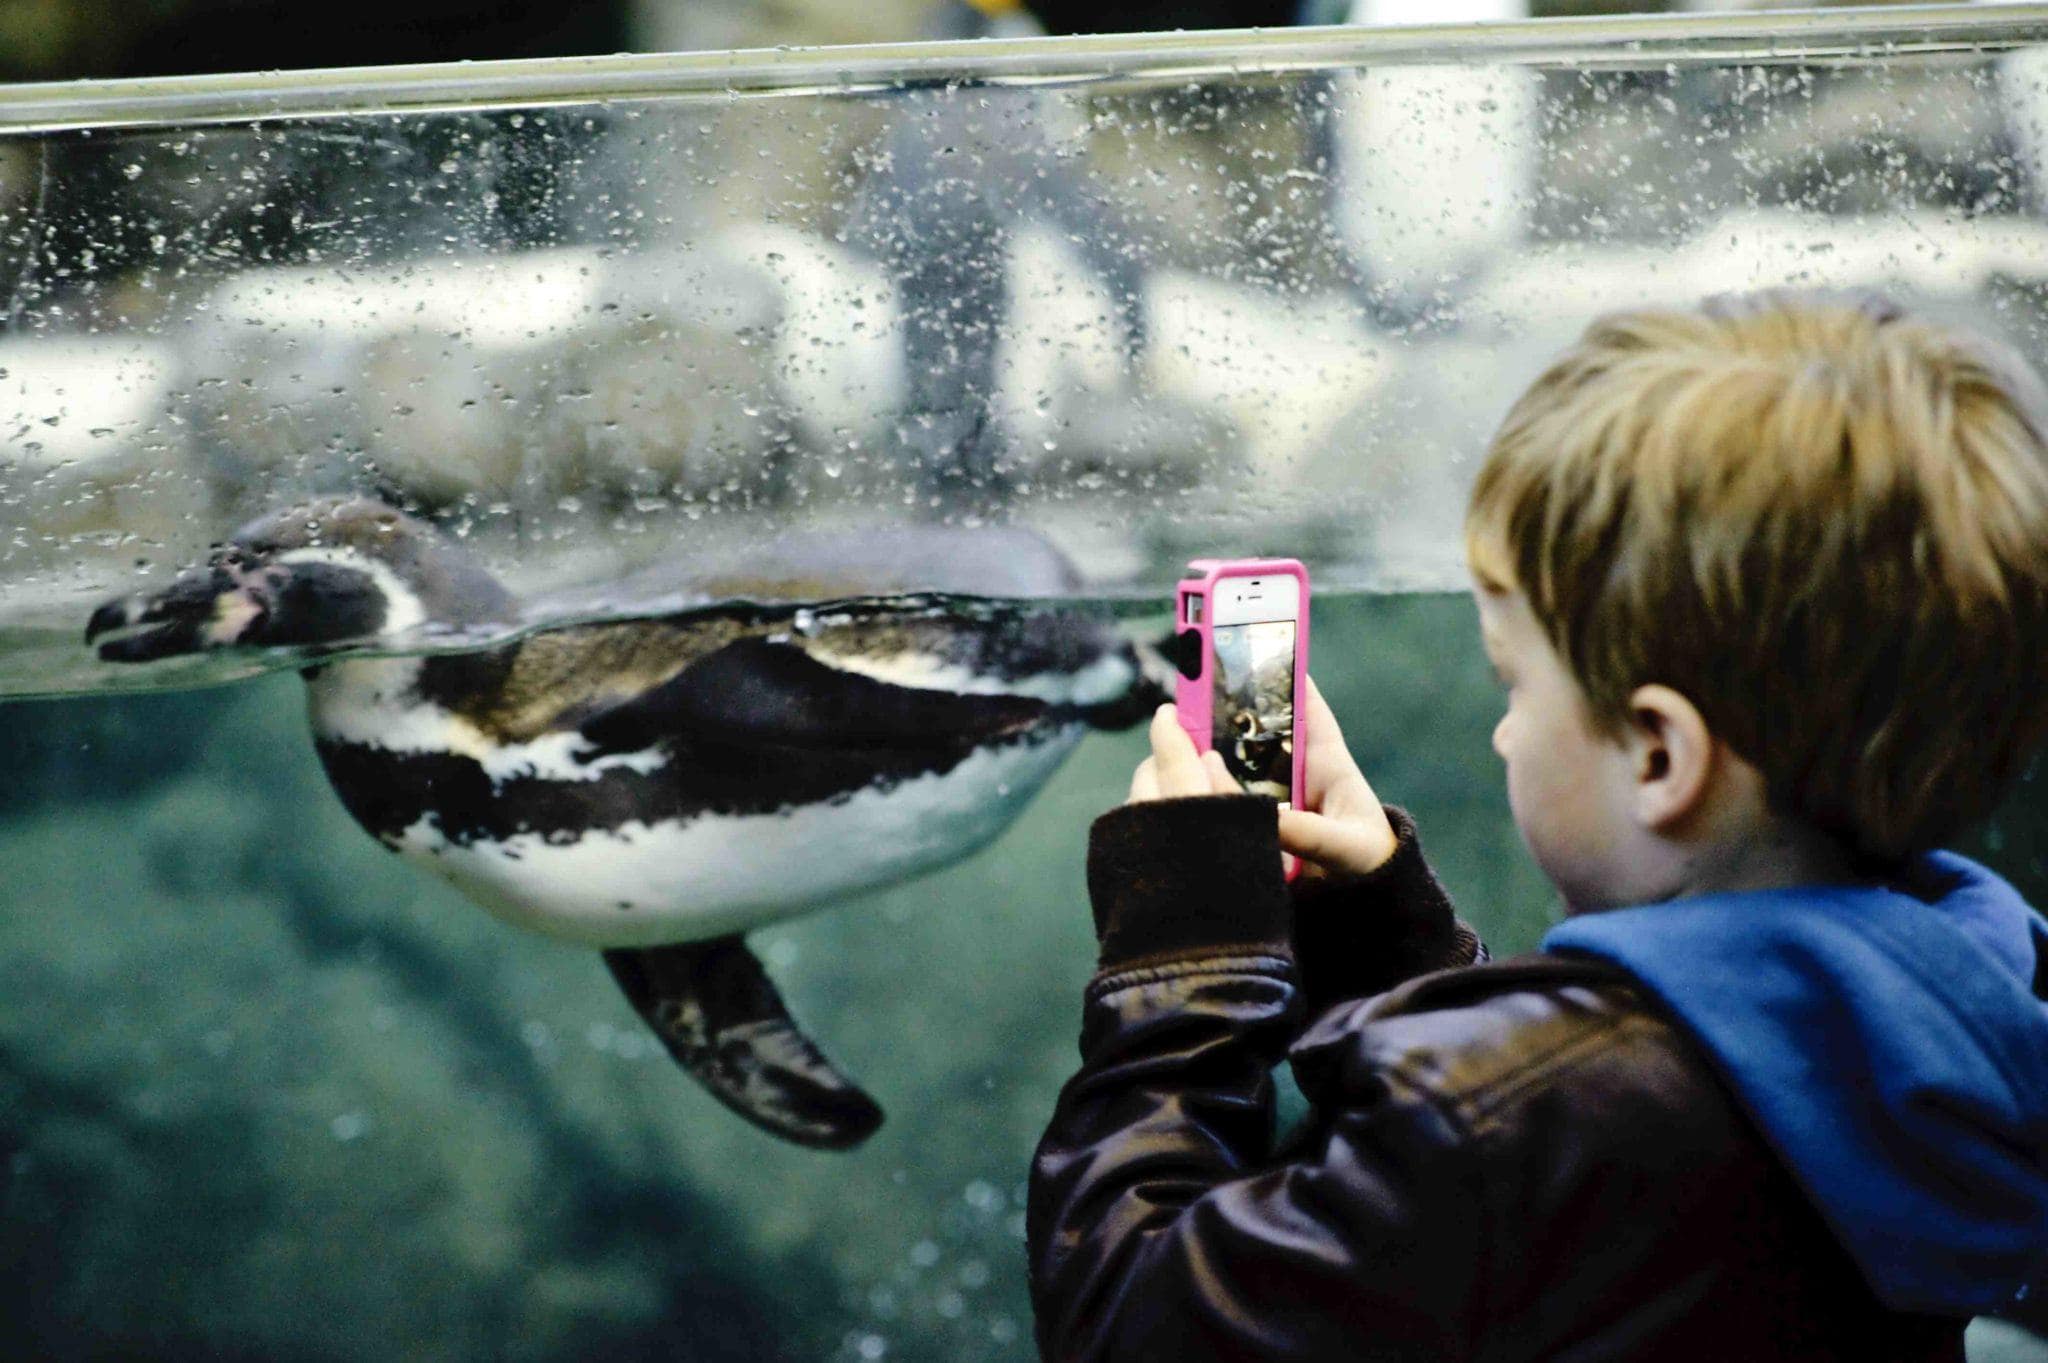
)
(1892, 1046)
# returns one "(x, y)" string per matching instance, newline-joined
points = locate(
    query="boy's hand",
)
(1343, 831)
(1175, 769)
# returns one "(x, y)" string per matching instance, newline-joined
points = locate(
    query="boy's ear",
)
(1673, 754)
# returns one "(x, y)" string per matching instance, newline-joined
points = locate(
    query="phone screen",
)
(1252, 716)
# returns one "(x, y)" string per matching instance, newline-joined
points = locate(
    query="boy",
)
(1767, 584)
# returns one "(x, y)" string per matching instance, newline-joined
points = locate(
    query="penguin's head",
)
(322, 572)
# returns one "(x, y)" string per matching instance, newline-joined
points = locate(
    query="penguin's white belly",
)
(677, 881)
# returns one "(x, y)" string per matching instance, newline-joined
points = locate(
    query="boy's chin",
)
(1574, 895)
(1615, 873)
(1577, 897)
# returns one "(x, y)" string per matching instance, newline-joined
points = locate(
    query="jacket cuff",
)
(1171, 877)
(1364, 935)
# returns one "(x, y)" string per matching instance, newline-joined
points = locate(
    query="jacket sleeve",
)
(1157, 1225)
(1364, 935)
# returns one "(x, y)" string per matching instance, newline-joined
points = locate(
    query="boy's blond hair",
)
(1822, 521)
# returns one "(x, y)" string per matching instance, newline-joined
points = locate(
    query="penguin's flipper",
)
(757, 691)
(717, 1012)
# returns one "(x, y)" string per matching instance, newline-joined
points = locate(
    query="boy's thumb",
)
(1329, 843)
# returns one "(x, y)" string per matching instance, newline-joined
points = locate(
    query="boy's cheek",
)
(1528, 809)
(1561, 860)
(1546, 811)
(1527, 812)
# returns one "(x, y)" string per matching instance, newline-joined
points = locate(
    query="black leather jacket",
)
(1501, 1162)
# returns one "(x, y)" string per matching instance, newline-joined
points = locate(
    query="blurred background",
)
(267, 1094)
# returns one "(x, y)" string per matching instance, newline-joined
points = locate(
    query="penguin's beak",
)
(235, 600)
(204, 608)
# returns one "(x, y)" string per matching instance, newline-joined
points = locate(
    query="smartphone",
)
(1242, 628)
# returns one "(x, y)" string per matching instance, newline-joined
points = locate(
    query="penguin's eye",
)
(238, 556)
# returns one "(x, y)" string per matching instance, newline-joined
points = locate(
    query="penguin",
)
(655, 786)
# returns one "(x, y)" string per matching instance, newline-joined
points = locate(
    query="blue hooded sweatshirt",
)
(1891, 1048)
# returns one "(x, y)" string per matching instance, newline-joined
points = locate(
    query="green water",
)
(267, 1093)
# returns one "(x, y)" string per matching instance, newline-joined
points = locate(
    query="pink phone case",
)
(1192, 696)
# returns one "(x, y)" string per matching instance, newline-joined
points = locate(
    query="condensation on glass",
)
(1226, 293)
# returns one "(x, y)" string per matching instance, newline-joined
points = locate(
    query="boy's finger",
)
(1333, 844)
(1220, 779)
(1325, 736)
(1309, 836)
(1349, 796)
(1178, 765)
(1326, 762)
(1144, 784)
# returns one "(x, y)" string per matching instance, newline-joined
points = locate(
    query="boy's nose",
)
(1500, 738)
